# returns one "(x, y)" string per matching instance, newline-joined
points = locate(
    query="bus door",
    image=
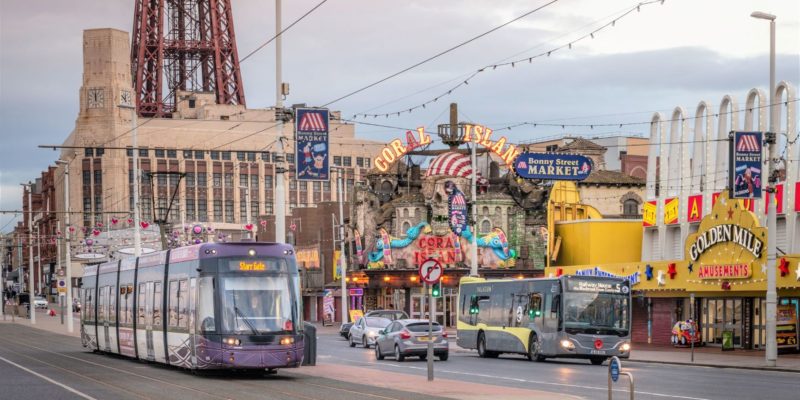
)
(148, 324)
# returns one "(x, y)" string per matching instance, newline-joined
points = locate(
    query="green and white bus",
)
(570, 316)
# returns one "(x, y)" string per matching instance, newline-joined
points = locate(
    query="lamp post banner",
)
(548, 166)
(746, 155)
(312, 145)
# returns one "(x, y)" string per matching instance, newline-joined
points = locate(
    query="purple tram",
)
(208, 306)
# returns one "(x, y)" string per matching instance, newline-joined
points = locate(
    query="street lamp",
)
(31, 305)
(137, 235)
(67, 256)
(772, 295)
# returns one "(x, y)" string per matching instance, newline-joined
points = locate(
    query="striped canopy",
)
(450, 164)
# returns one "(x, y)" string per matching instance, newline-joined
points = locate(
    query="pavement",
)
(705, 356)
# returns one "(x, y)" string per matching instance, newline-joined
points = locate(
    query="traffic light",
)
(436, 290)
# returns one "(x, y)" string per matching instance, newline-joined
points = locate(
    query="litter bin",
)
(310, 340)
(727, 340)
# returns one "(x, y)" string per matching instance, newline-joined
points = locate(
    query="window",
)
(317, 187)
(202, 210)
(254, 208)
(217, 179)
(303, 185)
(129, 152)
(160, 153)
(226, 155)
(217, 210)
(98, 177)
(630, 207)
(326, 186)
(205, 305)
(201, 179)
(240, 155)
(552, 147)
(292, 183)
(140, 319)
(190, 209)
(172, 153)
(88, 152)
(215, 155)
(486, 226)
(87, 178)
(268, 182)
(251, 156)
(98, 203)
(268, 208)
(172, 321)
(347, 161)
(350, 184)
(190, 179)
(228, 180)
(102, 304)
(254, 181)
(337, 160)
(87, 204)
(112, 305)
(366, 163)
(198, 154)
(265, 156)
(359, 161)
(229, 211)
(99, 152)
(290, 158)
(144, 153)
(243, 180)
(187, 154)
(157, 322)
(243, 210)
(162, 180)
(178, 313)
(192, 103)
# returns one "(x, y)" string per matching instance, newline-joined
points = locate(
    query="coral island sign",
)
(547, 166)
(478, 134)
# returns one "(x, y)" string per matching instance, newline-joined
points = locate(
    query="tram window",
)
(183, 304)
(157, 305)
(89, 305)
(173, 304)
(112, 305)
(205, 305)
(102, 303)
(141, 313)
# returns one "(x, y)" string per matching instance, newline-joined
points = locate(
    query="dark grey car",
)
(409, 337)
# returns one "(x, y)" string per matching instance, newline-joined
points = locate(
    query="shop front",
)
(719, 286)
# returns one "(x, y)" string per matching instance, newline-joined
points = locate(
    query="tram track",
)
(260, 389)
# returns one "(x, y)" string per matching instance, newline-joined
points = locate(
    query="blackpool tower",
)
(183, 45)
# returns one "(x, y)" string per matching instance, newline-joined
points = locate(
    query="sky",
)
(665, 55)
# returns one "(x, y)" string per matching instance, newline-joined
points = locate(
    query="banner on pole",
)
(312, 144)
(746, 154)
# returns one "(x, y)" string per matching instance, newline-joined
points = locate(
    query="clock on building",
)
(125, 98)
(95, 97)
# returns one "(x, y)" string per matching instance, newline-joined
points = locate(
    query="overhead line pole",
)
(280, 182)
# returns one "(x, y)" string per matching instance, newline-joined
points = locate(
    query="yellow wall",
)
(599, 241)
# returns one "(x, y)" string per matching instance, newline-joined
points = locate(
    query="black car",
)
(345, 330)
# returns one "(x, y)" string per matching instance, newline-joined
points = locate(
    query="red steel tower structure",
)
(183, 45)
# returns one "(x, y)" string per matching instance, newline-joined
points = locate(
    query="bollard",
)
(614, 371)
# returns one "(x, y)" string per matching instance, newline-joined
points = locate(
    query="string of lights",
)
(512, 64)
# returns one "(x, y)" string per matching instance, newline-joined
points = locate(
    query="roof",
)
(612, 177)
(450, 164)
(581, 144)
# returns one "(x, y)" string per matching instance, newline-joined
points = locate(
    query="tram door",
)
(148, 320)
(104, 296)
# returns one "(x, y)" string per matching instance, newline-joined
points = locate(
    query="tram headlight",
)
(567, 344)
(287, 341)
(251, 252)
(626, 347)
(232, 341)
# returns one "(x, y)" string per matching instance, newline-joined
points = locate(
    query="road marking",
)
(526, 380)
(79, 393)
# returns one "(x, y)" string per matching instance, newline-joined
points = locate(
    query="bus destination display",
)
(575, 285)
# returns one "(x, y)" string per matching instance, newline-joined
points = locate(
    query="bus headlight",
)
(626, 347)
(287, 340)
(567, 344)
(232, 341)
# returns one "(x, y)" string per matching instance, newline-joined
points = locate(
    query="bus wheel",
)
(482, 352)
(597, 360)
(535, 349)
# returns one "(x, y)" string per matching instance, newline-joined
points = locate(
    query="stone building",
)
(223, 157)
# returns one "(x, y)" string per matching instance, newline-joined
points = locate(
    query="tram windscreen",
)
(256, 304)
(594, 308)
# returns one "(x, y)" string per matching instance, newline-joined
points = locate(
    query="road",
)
(37, 364)
(578, 377)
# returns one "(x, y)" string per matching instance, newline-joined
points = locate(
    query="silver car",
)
(366, 329)
(409, 337)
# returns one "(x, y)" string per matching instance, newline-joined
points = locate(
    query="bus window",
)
(535, 306)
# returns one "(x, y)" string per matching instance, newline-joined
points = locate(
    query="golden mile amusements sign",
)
(478, 134)
(726, 233)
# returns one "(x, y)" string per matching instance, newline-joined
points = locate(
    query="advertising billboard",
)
(746, 160)
(547, 166)
(311, 144)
